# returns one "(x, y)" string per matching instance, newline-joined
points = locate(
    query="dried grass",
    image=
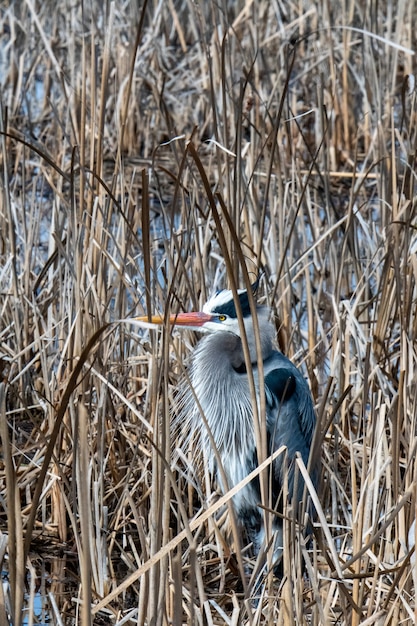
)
(151, 152)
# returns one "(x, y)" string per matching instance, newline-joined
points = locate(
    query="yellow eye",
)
(222, 318)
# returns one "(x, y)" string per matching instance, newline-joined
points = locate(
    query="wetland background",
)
(149, 152)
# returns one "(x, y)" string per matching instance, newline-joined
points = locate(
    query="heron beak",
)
(192, 320)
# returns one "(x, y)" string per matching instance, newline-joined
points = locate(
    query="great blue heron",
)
(220, 390)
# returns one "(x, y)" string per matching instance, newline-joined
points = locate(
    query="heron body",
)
(220, 391)
(219, 380)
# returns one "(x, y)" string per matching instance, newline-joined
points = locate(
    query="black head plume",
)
(224, 302)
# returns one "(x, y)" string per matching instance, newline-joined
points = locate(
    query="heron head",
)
(222, 313)
(219, 315)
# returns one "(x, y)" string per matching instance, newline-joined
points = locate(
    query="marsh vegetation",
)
(149, 152)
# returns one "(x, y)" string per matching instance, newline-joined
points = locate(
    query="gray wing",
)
(290, 417)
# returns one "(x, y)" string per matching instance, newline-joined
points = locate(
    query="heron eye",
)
(222, 318)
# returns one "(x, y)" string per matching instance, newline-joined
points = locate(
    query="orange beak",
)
(192, 320)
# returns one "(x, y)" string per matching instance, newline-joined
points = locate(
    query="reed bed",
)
(150, 152)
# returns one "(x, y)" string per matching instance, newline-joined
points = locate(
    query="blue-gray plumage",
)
(219, 381)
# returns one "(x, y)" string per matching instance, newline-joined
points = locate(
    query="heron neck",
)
(220, 390)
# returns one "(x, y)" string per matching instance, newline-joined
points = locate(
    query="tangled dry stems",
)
(145, 149)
